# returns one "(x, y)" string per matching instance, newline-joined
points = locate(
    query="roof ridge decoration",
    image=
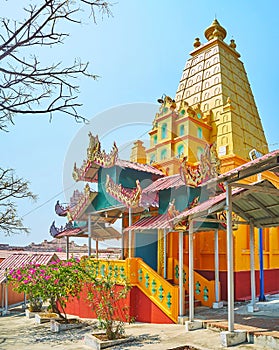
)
(167, 105)
(95, 156)
(79, 173)
(130, 197)
(82, 202)
(94, 153)
(54, 231)
(208, 167)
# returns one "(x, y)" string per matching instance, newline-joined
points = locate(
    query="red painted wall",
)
(142, 309)
(242, 290)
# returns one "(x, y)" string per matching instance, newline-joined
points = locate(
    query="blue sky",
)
(139, 54)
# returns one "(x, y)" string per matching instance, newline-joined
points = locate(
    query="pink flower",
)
(56, 281)
(47, 277)
(25, 281)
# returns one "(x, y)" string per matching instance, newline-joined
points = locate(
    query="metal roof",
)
(98, 232)
(173, 181)
(151, 222)
(257, 203)
(138, 166)
(268, 162)
(18, 260)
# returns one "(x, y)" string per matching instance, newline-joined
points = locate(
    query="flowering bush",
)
(55, 282)
(106, 294)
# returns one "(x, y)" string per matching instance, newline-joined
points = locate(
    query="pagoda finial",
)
(215, 30)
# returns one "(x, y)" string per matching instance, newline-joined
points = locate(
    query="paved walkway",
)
(18, 332)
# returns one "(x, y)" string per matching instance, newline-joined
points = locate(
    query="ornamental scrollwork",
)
(129, 197)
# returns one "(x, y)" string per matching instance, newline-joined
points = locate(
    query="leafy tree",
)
(11, 189)
(27, 85)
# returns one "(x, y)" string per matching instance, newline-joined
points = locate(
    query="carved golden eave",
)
(99, 157)
(129, 197)
(208, 167)
(83, 202)
(95, 159)
(80, 173)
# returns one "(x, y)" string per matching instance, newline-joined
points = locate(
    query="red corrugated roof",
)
(173, 181)
(165, 221)
(98, 232)
(18, 260)
(152, 222)
(77, 231)
(206, 205)
(242, 167)
(137, 166)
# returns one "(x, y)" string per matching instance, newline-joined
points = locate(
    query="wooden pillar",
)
(252, 265)
(181, 285)
(191, 272)
(230, 258)
(89, 235)
(67, 247)
(165, 253)
(130, 233)
(97, 248)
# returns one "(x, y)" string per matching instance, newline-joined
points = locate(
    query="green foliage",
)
(106, 295)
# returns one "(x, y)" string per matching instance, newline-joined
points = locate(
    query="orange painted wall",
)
(13, 297)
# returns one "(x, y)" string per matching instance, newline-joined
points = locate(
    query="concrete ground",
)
(18, 332)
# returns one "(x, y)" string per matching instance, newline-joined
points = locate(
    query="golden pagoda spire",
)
(215, 30)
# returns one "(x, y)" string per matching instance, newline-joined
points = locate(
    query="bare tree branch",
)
(12, 188)
(26, 84)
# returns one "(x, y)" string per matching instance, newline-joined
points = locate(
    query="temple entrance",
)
(146, 247)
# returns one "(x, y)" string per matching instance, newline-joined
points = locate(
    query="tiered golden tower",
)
(213, 103)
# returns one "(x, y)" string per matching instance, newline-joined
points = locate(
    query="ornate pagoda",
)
(210, 128)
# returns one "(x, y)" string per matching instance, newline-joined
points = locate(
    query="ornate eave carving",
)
(74, 212)
(129, 197)
(208, 167)
(95, 158)
(79, 173)
(94, 153)
(54, 231)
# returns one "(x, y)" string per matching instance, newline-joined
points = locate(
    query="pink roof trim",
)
(151, 222)
(244, 166)
(137, 166)
(207, 204)
(173, 181)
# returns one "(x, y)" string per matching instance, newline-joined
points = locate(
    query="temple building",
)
(180, 232)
